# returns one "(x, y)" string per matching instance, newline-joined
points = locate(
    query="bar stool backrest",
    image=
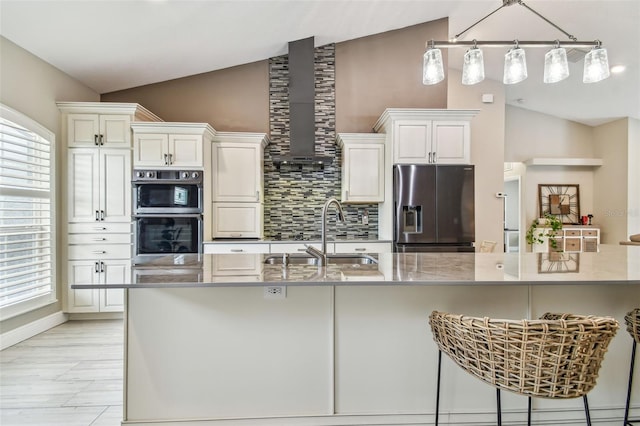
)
(557, 356)
(633, 324)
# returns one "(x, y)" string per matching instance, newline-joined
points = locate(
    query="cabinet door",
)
(115, 131)
(237, 220)
(150, 150)
(363, 173)
(82, 130)
(83, 182)
(185, 151)
(412, 142)
(237, 172)
(83, 272)
(115, 185)
(114, 272)
(451, 142)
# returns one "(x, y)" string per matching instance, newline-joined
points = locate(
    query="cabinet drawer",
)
(99, 251)
(572, 244)
(278, 248)
(572, 233)
(363, 247)
(102, 228)
(590, 245)
(235, 248)
(234, 264)
(105, 238)
(589, 233)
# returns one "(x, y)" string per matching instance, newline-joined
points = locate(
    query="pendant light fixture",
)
(556, 66)
(596, 65)
(473, 66)
(515, 65)
(432, 68)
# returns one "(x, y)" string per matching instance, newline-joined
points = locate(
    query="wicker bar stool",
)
(557, 356)
(633, 327)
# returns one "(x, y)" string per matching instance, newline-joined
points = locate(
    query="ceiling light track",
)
(596, 66)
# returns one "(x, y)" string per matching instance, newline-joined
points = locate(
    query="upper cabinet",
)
(362, 167)
(237, 165)
(237, 184)
(428, 136)
(170, 145)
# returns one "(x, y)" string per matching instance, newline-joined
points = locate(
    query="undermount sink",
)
(337, 259)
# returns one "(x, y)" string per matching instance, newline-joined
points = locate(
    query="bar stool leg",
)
(438, 386)
(586, 409)
(529, 412)
(499, 407)
(626, 408)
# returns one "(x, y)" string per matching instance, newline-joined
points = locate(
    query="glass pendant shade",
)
(596, 66)
(515, 66)
(556, 67)
(473, 67)
(432, 69)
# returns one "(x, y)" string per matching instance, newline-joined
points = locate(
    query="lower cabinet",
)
(237, 220)
(106, 271)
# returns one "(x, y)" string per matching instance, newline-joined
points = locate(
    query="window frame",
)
(37, 302)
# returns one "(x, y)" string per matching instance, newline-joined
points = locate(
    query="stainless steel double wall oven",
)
(167, 213)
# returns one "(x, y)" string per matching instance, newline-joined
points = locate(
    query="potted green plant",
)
(544, 229)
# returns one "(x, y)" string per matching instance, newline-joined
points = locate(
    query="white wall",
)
(31, 86)
(487, 150)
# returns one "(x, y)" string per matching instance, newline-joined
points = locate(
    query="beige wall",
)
(633, 179)
(532, 134)
(31, 86)
(610, 187)
(233, 99)
(487, 150)
(385, 71)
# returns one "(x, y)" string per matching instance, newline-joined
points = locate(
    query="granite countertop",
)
(614, 264)
(302, 240)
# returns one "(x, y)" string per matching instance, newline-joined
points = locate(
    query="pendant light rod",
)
(506, 3)
(503, 43)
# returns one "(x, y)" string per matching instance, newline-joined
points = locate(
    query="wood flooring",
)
(70, 375)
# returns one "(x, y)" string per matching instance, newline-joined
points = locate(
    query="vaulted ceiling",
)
(111, 45)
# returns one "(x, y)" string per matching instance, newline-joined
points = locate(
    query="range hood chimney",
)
(302, 93)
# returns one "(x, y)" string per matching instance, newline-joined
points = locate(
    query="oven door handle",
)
(177, 215)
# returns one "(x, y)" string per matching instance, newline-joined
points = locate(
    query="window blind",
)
(26, 270)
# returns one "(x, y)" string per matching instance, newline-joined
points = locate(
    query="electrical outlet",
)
(275, 292)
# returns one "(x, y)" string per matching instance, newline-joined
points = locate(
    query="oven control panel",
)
(191, 176)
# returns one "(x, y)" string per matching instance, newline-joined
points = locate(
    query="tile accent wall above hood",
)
(302, 123)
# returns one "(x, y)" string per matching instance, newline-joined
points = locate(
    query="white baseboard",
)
(20, 334)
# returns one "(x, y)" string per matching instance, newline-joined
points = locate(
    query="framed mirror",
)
(560, 200)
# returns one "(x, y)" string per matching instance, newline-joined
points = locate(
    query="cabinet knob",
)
(166, 160)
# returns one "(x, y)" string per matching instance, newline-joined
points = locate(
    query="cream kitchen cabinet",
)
(170, 145)
(97, 272)
(97, 229)
(237, 166)
(237, 220)
(236, 184)
(370, 247)
(428, 136)
(362, 167)
(98, 185)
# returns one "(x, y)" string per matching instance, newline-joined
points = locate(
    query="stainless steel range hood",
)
(302, 93)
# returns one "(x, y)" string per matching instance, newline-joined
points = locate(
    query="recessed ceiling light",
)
(618, 69)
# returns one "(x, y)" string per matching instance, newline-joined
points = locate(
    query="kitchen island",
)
(351, 344)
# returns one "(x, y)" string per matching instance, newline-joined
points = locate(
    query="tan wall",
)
(487, 151)
(610, 183)
(233, 99)
(31, 86)
(385, 71)
(372, 73)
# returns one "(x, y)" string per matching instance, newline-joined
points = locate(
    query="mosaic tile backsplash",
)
(294, 195)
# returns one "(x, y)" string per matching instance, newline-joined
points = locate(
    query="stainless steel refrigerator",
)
(433, 208)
